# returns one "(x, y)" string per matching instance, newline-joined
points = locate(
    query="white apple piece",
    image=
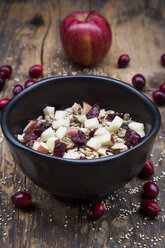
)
(94, 143)
(60, 114)
(40, 147)
(82, 118)
(62, 122)
(49, 132)
(20, 138)
(72, 130)
(115, 124)
(52, 142)
(49, 111)
(106, 139)
(101, 131)
(71, 154)
(102, 113)
(86, 107)
(30, 126)
(138, 127)
(61, 132)
(92, 123)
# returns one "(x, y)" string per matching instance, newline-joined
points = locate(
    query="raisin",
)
(132, 138)
(59, 149)
(110, 117)
(41, 128)
(93, 112)
(79, 139)
(29, 136)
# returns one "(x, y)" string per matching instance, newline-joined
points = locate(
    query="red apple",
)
(86, 37)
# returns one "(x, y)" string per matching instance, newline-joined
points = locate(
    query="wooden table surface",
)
(29, 34)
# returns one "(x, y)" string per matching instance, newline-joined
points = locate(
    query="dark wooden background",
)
(29, 34)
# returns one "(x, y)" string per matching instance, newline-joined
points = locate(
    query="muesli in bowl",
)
(78, 132)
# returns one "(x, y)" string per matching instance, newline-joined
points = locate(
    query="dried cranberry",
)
(110, 117)
(91, 134)
(132, 138)
(96, 211)
(35, 70)
(5, 71)
(41, 128)
(59, 149)
(29, 136)
(81, 157)
(3, 102)
(148, 170)
(93, 112)
(162, 88)
(123, 60)
(150, 207)
(150, 190)
(21, 199)
(2, 83)
(79, 139)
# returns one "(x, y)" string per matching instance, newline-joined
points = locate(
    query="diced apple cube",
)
(82, 118)
(86, 107)
(101, 131)
(94, 143)
(71, 154)
(72, 130)
(115, 124)
(52, 142)
(92, 123)
(20, 138)
(62, 122)
(105, 139)
(49, 132)
(40, 147)
(102, 113)
(60, 114)
(31, 126)
(138, 127)
(61, 132)
(49, 111)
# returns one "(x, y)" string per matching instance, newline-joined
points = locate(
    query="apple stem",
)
(90, 12)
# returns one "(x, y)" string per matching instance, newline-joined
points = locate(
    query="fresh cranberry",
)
(148, 169)
(35, 71)
(150, 190)
(132, 138)
(138, 81)
(159, 97)
(59, 149)
(79, 139)
(39, 129)
(123, 60)
(21, 199)
(29, 136)
(93, 112)
(96, 211)
(5, 71)
(3, 102)
(150, 207)
(81, 157)
(2, 83)
(17, 89)
(92, 132)
(163, 59)
(162, 88)
(110, 117)
(29, 82)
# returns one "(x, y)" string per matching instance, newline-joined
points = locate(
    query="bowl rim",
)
(13, 140)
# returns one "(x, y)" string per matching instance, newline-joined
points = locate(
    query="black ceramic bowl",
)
(80, 179)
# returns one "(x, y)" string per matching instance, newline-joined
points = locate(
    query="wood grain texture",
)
(29, 34)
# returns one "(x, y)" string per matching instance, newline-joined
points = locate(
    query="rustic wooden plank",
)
(29, 34)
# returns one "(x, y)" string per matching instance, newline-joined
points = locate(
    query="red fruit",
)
(132, 138)
(81, 157)
(150, 190)
(162, 88)
(150, 207)
(59, 149)
(92, 132)
(29, 82)
(163, 59)
(21, 199)
(35, 71)
(148, 170)
(110, 117)
(86, 37)
(159, 97)
(3, 102)
(79, 139)
(96, 211)
(123, 60)
(5, 71)
(39, 129)
(29, 136)
(93, 112)
(17, 89)
(2, 83)
(138, 81)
